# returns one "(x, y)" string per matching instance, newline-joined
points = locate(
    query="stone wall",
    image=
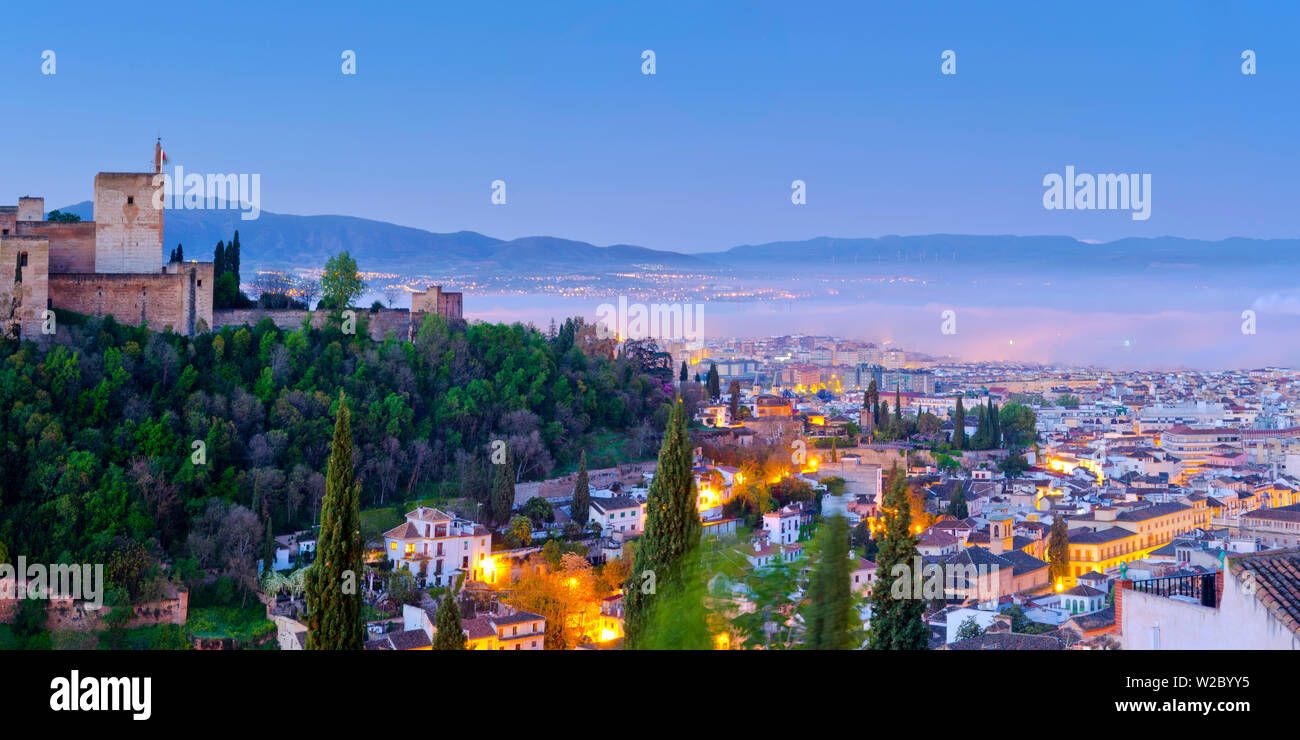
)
(198, 290)
(380, 322)
(24, 283)
(72, 245)
(69, 614)
(157, 299)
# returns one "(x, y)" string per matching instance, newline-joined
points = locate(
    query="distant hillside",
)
(279, 240)
(1068, 253)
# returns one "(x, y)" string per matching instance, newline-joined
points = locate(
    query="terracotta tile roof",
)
(479, 628)
(1097, 620)
(1007, 641)
(426, 514)
(1084, 536)
(405, 640)
(1276, 576)
(403, 531)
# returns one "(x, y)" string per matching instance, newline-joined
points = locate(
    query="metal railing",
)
(1197, 585)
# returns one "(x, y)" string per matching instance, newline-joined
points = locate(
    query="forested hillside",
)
(99, 430)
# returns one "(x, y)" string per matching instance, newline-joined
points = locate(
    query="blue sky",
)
(748, 96)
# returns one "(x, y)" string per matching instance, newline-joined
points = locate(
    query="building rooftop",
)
(1276, 576)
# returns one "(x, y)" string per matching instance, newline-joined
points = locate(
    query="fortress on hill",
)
(111, 265)
(114, 265)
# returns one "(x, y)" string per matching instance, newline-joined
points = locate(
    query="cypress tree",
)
(957, 504)
(898, 404)
(834, 456)
(980, 440)
(333, 597)
(995, 427)
(219, 260)
(232, 258)
(733, 390)
(896, 619)
(581, 495)
(830, 619)
(268, 550)
(959, 427)
(450, 635)
(1058, 551)
(871, 402)
(684, 374)
(672, 532)
(503, 491)
(715, 388)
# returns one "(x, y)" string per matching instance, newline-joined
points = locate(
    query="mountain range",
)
(286, 241)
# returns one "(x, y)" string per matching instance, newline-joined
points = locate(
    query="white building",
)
(1256, 610)
(782, 525)
(617, 514)
(436, 548)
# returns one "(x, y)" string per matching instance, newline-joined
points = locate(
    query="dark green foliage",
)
(1013, 465)
(672, 534)
(539, 511)
(713, 382)
(29, 624)
(830, 620)
(581, 507)
(225, 271)
(268, 550)
(450, 635)
(334, 619)
(896, 618)
(733, 403)
(60, 216)
(957, 504)
(1058, 550)
(863, 545)
(98, 430)
(503, 490)
(969, 629)
(341, 283)
(959, 426)
(1018, 424)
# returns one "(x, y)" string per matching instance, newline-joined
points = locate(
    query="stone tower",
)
(128, 222)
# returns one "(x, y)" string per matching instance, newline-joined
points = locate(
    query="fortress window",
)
(22, 260)
(130, 200)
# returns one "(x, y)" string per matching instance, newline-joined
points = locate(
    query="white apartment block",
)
(437, 547)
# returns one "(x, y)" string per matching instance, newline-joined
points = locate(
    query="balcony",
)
(1199, 586)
